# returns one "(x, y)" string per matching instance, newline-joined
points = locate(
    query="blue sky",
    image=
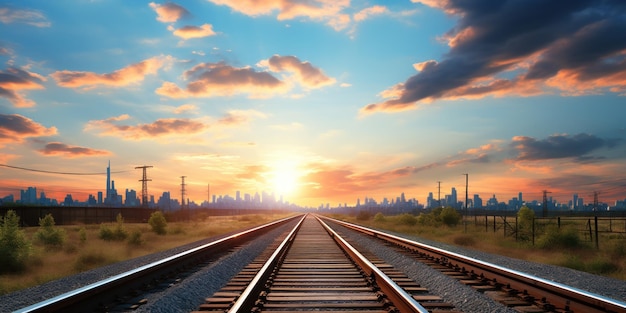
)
(322, 102)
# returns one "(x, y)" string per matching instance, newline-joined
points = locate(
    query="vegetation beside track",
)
(564, 246)
(50, 252)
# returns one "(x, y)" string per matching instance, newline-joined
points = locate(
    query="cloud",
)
(189, 32)
(368, 12)
(169, 12)
(238, 117)
(327, 11)
(220, 79)
(559, 147)
(12, 80)
(157, 129)
(23, 16)
(14, 128)
(131, 74)
(520, 48)
(185, 108)
(305, 73)
(58, 148)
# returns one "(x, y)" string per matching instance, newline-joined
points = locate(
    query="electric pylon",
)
(144, 185)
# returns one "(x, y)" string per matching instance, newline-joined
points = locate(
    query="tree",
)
(14, 247)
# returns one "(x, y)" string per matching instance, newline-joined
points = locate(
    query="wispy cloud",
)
(327, 11)
(166, 127)
(14, 128)
(238, 117)
(519, 48)
(61, 149)
(169, 12)
(13, 80)
(23, 16)
(128, 75)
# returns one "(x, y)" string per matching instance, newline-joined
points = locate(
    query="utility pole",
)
(439, 194)
(595, 201)
(182, 192)
(465, 215)
(144, 185)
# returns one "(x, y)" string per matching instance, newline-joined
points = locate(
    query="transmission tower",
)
(182, 192)
(545, 203)
(144, 185)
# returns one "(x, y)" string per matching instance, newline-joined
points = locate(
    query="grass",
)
(84, 250)
(562, 249)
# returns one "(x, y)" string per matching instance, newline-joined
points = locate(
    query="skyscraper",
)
(108, 193)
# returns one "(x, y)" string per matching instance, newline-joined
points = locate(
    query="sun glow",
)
(284, 179)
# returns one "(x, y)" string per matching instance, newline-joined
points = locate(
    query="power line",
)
(55, 172)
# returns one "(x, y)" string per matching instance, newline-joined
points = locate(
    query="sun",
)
(284, 181)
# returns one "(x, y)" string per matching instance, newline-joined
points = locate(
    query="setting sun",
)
(284, 179)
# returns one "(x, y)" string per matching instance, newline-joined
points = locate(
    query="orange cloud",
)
(189, 32)
(58, 148)
(169, 12)
(14, 128)
(13, 80)
(237, 117)
(131, 74)
(157, 129)
(306, 74)
(219, 79)
(328, 11)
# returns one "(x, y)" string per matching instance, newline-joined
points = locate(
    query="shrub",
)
(560, 238)
(48, 234)
(14, 247)
(407, 219)
(449, 216)
(82, 235)
(117, 234)
(135, 238)
(379, 217)
(363, 216)
(158, 223)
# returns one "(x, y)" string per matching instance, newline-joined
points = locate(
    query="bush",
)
(407, 219)
(135, 238)
(82, 235)
(48, 234)
(379, 217)
(427, 219)
(363, 216)
(117, 234)
(158, 223)
(449, 216)
(14, 248)
(560, 238)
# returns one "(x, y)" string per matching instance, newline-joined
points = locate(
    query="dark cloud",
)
(559, 147)
(541, 45)
(15, 127)
(12, 80)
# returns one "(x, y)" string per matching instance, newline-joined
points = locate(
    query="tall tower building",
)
(108, 193)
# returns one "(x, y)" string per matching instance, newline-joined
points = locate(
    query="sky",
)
(320, 101)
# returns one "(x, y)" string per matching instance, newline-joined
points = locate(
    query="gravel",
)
(191, 291)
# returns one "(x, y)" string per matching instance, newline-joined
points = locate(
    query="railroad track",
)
(314, 268)
(513, 288)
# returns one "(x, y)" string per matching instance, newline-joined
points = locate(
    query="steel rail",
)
(400, 298)
(75, 300)
(563, 296)
(248, 297)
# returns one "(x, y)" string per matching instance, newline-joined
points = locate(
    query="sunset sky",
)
(322, 101)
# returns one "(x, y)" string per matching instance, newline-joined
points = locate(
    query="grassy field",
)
(565, 247)
(83, 249)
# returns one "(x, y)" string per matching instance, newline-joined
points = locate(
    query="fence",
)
(590, 227)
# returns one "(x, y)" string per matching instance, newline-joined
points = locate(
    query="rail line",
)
(544, 294)
(102, 295)
(314, 269)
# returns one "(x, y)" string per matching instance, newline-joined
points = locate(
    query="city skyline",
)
(319, 101)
